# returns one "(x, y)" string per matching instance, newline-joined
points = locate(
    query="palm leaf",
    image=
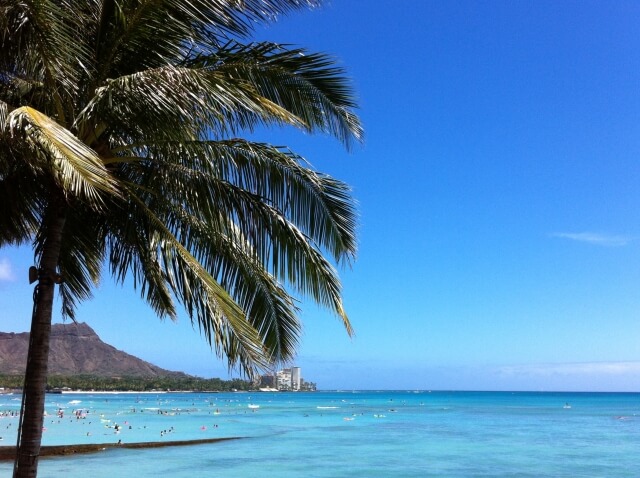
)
(81, 259)
(40, 41)
(319, 205)
(178, 103)
(76, 168)
(218, 316)
(307, 85)
(153, 33)
(274, 239)
(231, 259)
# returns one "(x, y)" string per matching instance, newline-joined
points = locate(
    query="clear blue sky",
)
(499, 200)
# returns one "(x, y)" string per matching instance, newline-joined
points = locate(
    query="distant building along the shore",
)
(288, 379)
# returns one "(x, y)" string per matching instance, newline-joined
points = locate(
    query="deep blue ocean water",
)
(344, 434)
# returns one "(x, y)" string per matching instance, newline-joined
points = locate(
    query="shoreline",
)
(8, 453)
(146, 392)
(109, 392)
(151, 392)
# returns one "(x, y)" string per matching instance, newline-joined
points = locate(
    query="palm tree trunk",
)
(30, 437)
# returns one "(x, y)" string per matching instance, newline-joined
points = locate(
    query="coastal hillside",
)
(77, 350)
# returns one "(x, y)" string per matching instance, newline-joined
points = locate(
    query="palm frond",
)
(21, 200)
(21, 190)
(131, 253)
(5, 109)
(232, 260)
(39, 41)
(319, 205)
(178, 103)
(76, 168)
(153, 33)
(274, 239)
(308, 85)
(81, 259)
(220, 319)
(21, 91)
(231, 90)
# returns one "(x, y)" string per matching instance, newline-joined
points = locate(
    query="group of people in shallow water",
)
(81, 414)
(9, 413)
(92, 418)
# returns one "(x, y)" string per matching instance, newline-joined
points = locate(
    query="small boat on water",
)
(251, 405)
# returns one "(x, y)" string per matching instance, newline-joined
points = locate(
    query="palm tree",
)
(119, 149)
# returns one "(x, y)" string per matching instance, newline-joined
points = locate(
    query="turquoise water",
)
(338, 434)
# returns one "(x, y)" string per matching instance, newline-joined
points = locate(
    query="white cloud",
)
(595, 238)
(577, 376)
(580, 368)
(6, 273)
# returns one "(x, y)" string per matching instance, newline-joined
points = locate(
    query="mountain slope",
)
(76, 349)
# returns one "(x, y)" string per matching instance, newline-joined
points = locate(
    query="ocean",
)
(342, 434)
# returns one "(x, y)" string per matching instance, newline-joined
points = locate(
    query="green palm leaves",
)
(127, 113)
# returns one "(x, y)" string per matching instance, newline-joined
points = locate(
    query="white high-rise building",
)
(296, 378)
(284, 379)
(289, 379)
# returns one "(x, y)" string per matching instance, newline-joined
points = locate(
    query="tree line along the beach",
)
(136, 384)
